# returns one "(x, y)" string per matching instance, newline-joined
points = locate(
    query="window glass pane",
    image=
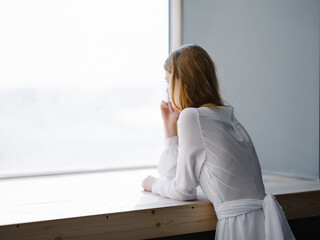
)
(81, 84)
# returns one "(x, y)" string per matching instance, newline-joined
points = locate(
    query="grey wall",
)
(267, 57)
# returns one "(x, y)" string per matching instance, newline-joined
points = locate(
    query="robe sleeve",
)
(191, 155)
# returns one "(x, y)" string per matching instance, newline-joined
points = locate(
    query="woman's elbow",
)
(186, 196)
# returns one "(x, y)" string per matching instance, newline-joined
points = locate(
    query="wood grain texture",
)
(109, 206)
(300, 205)
(128, 225)
(151, 223)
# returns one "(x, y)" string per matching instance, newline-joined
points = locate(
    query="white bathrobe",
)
(214, 150)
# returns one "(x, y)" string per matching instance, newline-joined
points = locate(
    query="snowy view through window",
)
(81, 84)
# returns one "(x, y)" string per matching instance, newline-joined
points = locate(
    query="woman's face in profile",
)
(176, 88)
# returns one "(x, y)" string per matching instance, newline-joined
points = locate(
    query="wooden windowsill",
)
(113, 204)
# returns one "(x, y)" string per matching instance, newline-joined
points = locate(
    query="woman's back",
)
(232, 163)
(231, 170)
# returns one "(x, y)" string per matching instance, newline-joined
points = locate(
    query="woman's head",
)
(193, 80)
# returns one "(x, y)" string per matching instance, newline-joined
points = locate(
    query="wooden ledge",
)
(96, 206)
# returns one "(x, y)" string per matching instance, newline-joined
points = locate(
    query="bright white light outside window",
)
(81, 84)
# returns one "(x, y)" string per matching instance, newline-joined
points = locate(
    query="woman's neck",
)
(209, 105)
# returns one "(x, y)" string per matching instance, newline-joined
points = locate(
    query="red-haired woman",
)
(206, 145)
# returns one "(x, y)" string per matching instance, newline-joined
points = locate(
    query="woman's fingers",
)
(170, 107)
(164, 108)
(163, 104)
(167, 106)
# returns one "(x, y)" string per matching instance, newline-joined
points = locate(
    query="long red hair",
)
(198, 83)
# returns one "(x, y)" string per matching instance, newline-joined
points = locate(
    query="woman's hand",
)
(147, 183)
(170, 117)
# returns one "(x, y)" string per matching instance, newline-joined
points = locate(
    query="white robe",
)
(214, 150)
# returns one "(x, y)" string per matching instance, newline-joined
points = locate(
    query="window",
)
(81, 83)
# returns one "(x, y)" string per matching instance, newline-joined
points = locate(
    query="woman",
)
(206, 145)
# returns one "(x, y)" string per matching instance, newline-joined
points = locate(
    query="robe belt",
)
(276, 224)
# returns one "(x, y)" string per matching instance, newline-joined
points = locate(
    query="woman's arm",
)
(168, 160)
(191, 156)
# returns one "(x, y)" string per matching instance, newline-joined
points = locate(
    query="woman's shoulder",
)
(189, 113)
(220, 113)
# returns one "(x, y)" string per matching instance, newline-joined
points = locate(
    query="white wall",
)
(267, 56)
